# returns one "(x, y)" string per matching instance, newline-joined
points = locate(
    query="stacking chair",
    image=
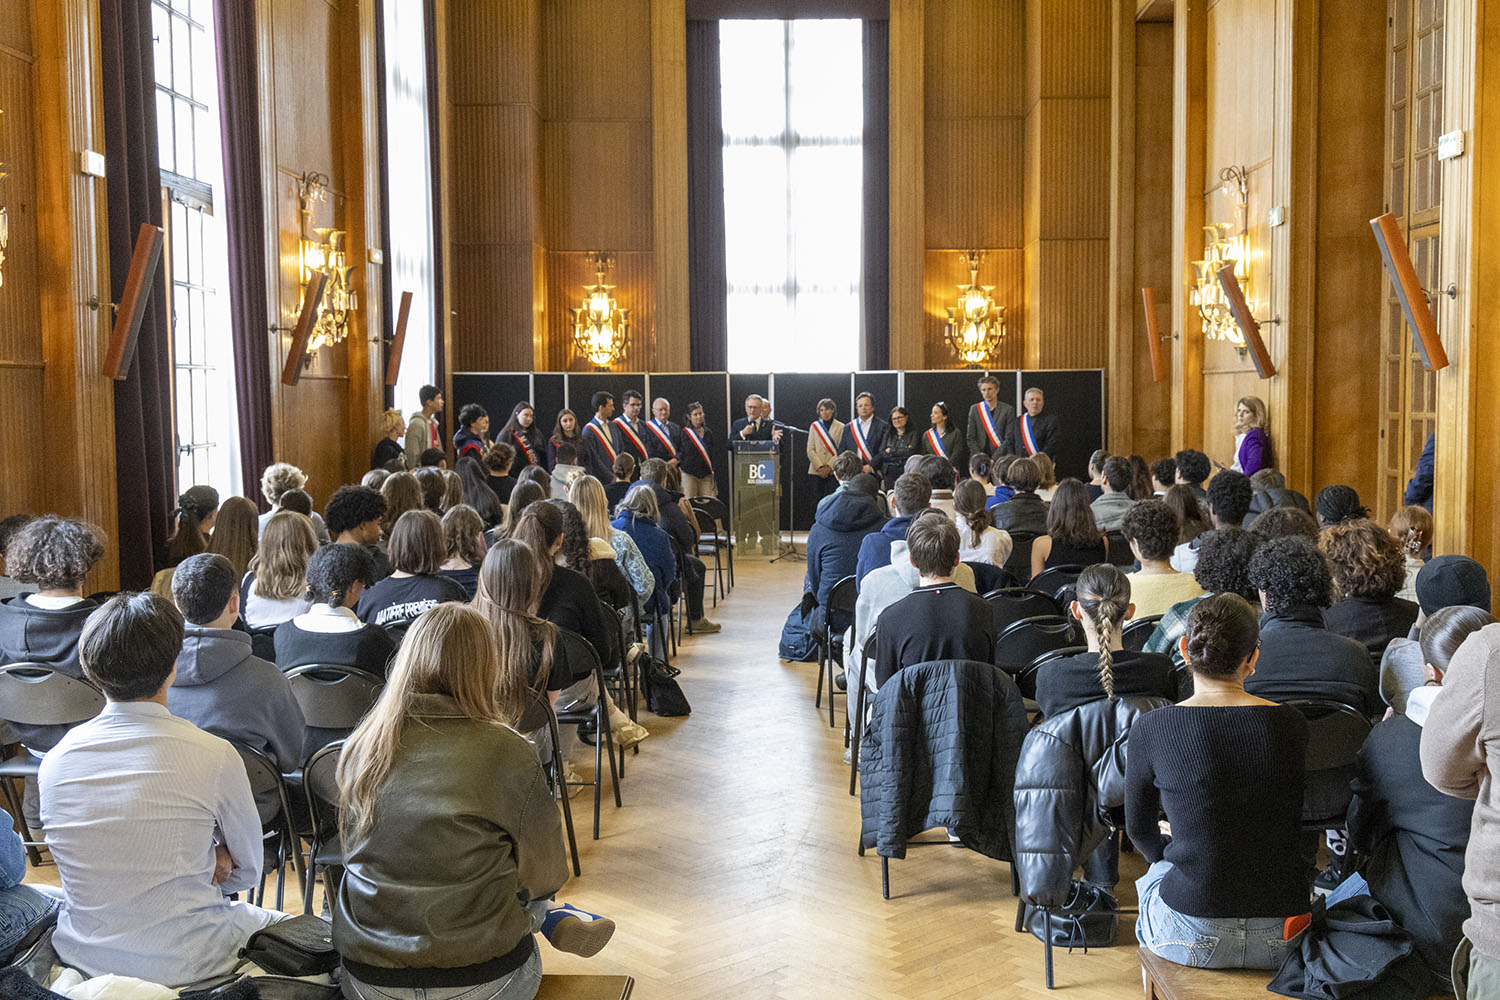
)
(263, 642)
(332, 696)
(841, 598)
(988, 578)
(1026, 678)
(1055, 580)
(1019, 563)
(539, 715)
(857, 719)
(1335, 734)
(1011, 604)
(1029, 638)
(1119, 549)
(274, 807)
(35, 694)
(1135, 635)
(576, 652)
(716, 513)
(325, 847)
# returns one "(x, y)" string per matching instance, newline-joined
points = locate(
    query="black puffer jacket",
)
(941, 750)
(1070, 775)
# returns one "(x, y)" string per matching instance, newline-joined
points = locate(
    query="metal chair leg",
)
(831, 688)
(560, 783)
(1020, 915)
(13, 803)
(609, 746)
(885, 877)
(818, 698)
(858, 729)
(1047, 942)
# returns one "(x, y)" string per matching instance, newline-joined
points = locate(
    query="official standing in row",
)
(633, 428)
(992, 423)
(866, 432)
(695, 453)
(602, 439)
(1035, 431)
(825, 439)
(663, 437)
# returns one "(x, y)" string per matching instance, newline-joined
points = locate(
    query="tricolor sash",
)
(624, 426)
(936, 442)
(525, 448)
(662, 436)
(990, 430)
(601, 432)
(823, 436)
(692, 435)
(1027, 438)
(860, 442)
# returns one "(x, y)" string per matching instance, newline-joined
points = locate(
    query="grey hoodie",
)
(223, 688)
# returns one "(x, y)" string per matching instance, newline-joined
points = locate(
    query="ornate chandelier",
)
(601, 328)
(976, 325)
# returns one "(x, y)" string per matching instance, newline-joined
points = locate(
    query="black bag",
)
(796, 639)
(1089, 919)
(664, 696)
(266, 988)
(296, 946)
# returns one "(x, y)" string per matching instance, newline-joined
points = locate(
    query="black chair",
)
(1055, 580)
(857, 721)
(1135, 634)
(841, 598)
(325, 850)
(539, 715)
(1119, 549)
(1335, 734)
(333, 696)
(1029, 638)
(1019, 563)
(274, 806)
(36, 694)
(576, 652)
(263, 642)
(717, 514)
(1026, 676)
(988, 578)
(1012, 604)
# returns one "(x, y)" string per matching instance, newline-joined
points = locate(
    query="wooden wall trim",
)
(265, 51)
(669, 159)
(1190, 47)
(1123, 295)
(908, 222)
(364, 211)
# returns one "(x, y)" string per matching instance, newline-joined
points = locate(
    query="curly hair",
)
(1194, 465)
(1152, 526)
(1224, 562)
(54, 553)
(1338, 503)
(1291, 572)
(1164, 471)
(1229, 495)
(1222, 632)
(574, 553)
(1286, 522)
(279, 478)
(351, 506)
(499, 457)
(1364, 559)
(334, 569)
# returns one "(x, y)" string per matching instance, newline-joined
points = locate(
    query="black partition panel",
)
(796, 396)
(547, 399)
(959, 389)
(884, 386)
(497, 392)
(712, 390)
(740, 386)
(1076, 399)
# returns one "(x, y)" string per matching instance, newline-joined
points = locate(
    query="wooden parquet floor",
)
(732, 872)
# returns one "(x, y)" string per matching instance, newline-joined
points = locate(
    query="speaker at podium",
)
(757, 485)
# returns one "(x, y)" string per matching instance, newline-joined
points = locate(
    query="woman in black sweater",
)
(901, 442)
(1226, 769)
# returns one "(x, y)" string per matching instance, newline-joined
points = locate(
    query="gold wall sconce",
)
(1224, 245)
(976, 324)
(601, 328)
(323, 253)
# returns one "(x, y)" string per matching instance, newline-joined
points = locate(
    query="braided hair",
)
(1103, 593)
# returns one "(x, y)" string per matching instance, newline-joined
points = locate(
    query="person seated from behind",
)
(433, 457)
(407, 928)
(354, 515)
(1229, 496)
(142, 807)
(1299, 657)
(911, 495)
(1286, 522)
(997, 492)
(679, 521)
(1193, 470)
(624, 472)
(1223, 568)
(1367, 571)
(1073, 537)
(538, 476)
(1445, 582)
(940, 473)
(25, 907)
(1048, 471)
(1151, 529)
(415, 585)
(1192, 525)
(275, 589)
(1024, 511)
(279, 479)
(1409, 833)
(840, 525)
(1095, 485)
(939, 620)
(9, 585)
(1270, 493)
(1336, 504)
(222, 687)
(1112, 504)
(1411, 528)
(978, 539)
(499, 459)
(463, 542)
(566, 468)
(979, 472)
(913, 464)
(844, 470)
(1163, 476)
(434, 486)
(1226, 768)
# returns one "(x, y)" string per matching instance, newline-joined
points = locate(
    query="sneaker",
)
(628, 733)
(704, 625)
(635, 652)
(840, 681)
(576, 931)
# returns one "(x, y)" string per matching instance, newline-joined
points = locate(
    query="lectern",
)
(757, 484)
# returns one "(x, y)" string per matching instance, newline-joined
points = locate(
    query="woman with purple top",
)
(1252, 444)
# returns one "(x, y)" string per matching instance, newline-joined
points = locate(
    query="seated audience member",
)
(236, 534)
(578, 553)
(1445, 582)
(1286, 522)
(587, 495)
(1140, 479)
(998, 491)
(537, 475)
(192, 521)
(1223, 568)
(1163, 476)
(1226, 769)
(940, 473)
(1151, 529)
(402, 493)
(375, 478)
(298, 502)
(979, 472)
(9, 585)
(1073, 537)
(1299, 657)
(526, 493)
(1271, 493)
(433, 457)
(415, 585)
(511, 582)
(1047, 476)
(1461, 732)
(624, 477)
(1095, 486)
(50, 557)
(1024, 511)
(870, 486)
(565, 469)
(275, 589)
(453, 487)
(499, 459)
(1193, 525)
(149, 818)
(1193, 470)
(1229, 495)
(978, 539)
(680, 523)
(1411, 835)
(939, 620)
(639, 520)
(329, 632)
(843, 472)
(1337, 504)
(434, 487)
(408, 928)
(354, 515)
(1411, 527)
(1111, 506)
(912, 495)
(842, 521)
(279, 479)
(26, 908)
(463, 543)
(1367, 571)
(475, 492)
(221, 686)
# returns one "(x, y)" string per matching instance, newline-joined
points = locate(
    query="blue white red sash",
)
(824, 437)
(692, 435)
(860, 442)
(624, 426)
(989, 425)
(1027, 438)
(662, 436)
(935, 442)
(601, 433)
(525, 448)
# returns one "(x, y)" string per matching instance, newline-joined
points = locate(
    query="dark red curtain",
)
(708, 295)
(876, 353)
(243, 212)
(145, 445)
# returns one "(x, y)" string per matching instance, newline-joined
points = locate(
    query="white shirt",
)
(992, 546)
(327, 618)
(52, 603)
(133, 802)
(264, 612)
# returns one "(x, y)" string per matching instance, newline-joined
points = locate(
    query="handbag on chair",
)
(1089, 919)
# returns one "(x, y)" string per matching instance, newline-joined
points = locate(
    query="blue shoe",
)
(578, 932)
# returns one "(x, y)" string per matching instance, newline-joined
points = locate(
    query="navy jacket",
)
(875, 550)
(657, 548)
(833, 544)
(1419, 490)
(875, 441)
(1300, 658)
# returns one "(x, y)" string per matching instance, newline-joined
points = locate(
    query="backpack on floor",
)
(664, 695)
(796, 639)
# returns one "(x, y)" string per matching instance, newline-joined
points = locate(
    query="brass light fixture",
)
(601, 328)
(1223, 247)
(324, 253)
(976, 325)
(4, 227)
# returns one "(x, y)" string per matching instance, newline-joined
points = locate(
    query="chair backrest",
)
(1119, 548)
(319, 781)
(1056, 579)
(1029, 638)
(712, 507)
(265, 784)
(333, 696)
(1019, 563)
(263, 642)
(988, 578)
(1011, 604)
(579, 655)
(1135, 634)
(1027, 675)
(843, 595)
(36, 694)
(1335, 734)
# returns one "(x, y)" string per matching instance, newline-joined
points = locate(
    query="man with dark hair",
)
(1151, 529)
(1024, 512)
(1269, 491)
(567, 468)
(1222, 568)
(912, 495)
(943, 477)
(939, 620)
(839, 528)
(422, 431)
(992, 423)
(1113, 504)
(353, 517)
(1193, 467)
(1163, 476)
(866, 434)
(433, 457)
(221, 686)
(1095, 485)
(684, 534)
(1229, 495)
(632, 427)
(1299, 658)
(602, 439)
(139, 806)
(846, 466)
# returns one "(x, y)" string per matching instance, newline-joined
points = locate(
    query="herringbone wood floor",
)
(731, 870)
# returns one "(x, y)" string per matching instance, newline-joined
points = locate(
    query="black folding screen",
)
(549, 396)
(498, 394)
(712, 390)
(1076, 399)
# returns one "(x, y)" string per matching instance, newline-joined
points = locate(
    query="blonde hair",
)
(1411, 527)
(511, 583)
(391, 421)
(279, 478)
(1259, 415)
(280, 563)
(449, 650)
(586, 493)
(236, 532)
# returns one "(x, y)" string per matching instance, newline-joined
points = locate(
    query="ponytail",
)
(1104, 595)
(968, 504)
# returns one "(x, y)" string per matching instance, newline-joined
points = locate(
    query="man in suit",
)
(1035, 431)
(866, 433)
(992, 423)
(422, 431)
(602, 439)
(633, 428)
(756, 424)
(663, 438)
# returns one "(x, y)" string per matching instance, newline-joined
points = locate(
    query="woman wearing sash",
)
(901, 443)
(945, 440)
(520, 432)
(566, 431)
(823, 440)
(696, 465)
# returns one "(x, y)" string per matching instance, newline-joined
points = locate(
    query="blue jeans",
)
(1204, 942)
(521, 984)
(21, 908)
